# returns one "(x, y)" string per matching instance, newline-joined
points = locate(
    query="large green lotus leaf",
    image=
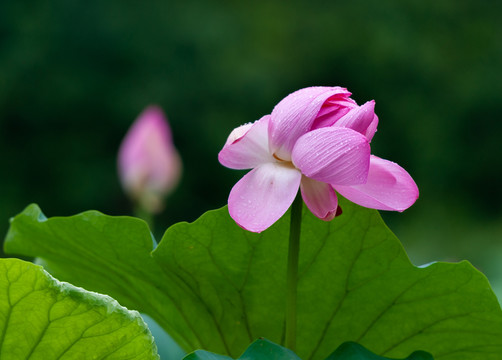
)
(214, 286)
(42, 318)
(263, 349)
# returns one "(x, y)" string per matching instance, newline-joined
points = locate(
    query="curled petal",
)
(247, 146)
(263, 195)
(295, 115)
(372, 128)
(320, 198)
(333, 155)
(389, 187)
(333, 109)
(359, 118)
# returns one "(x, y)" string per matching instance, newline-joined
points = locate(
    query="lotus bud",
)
(148, 163)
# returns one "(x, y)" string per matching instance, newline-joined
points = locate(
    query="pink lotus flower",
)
(149, 165)
(316, 139)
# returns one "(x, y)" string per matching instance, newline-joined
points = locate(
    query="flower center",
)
(286, 163)
(277, 157)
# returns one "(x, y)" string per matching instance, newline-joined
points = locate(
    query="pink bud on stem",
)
(148, 163)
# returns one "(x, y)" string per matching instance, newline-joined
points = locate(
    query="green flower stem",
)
(292, 276)
(146, 216)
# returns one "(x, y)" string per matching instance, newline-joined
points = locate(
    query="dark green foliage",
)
(263, 349)
(75, 75)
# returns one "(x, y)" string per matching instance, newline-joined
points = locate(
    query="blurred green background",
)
(75, 74)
